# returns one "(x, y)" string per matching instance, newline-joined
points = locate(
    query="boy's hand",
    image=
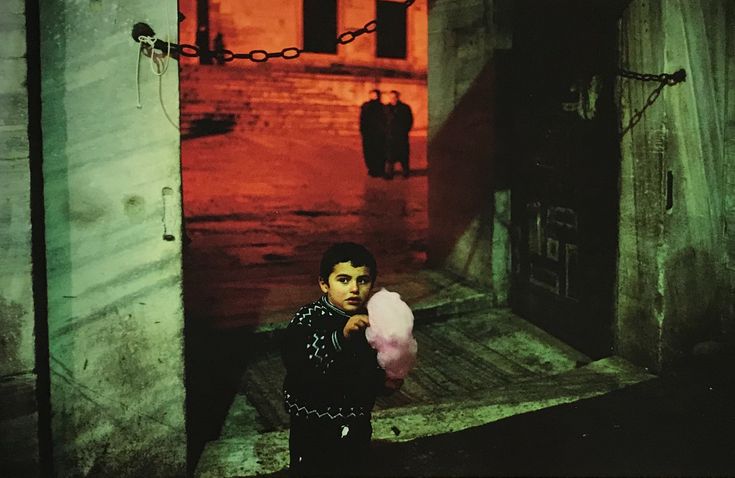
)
(356, 323)
(393, 384)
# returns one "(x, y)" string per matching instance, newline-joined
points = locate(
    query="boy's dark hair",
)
(377, 92)
(351, 252)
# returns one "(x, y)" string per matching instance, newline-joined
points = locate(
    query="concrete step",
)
(246, 452)
(458, 357)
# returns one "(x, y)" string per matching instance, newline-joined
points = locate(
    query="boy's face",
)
(348, 287)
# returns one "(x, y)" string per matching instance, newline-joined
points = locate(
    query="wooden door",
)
(565, 170)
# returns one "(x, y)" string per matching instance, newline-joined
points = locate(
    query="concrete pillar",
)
(673, 286)
(729, 198)
(19, 454)
(113, 241)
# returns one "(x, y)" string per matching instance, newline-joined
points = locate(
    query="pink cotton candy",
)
(391, 333)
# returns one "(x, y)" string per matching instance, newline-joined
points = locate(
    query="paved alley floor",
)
(260, 210)
(474, 368)
(680, 424)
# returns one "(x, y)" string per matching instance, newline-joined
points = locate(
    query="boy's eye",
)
(363, 280)
(343, 280)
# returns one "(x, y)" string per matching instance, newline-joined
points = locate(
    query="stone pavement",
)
(474, 368)
(680, 424)
(259, 210)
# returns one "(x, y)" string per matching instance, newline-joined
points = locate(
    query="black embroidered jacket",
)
(328, 376)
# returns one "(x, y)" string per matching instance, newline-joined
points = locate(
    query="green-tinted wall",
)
(673, 285)
(112, 191)
(18, 409)
(676, 238)
(469, 198)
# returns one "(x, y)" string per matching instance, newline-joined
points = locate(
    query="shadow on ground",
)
(676, 425)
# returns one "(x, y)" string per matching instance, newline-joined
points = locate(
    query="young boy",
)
(332, 374)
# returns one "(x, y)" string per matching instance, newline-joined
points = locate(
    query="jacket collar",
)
(325, 302)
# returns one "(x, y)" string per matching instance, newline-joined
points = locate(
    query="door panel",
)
(565, 175)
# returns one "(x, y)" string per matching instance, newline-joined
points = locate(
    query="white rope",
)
(159, 66)
(137, 77)
(163, 106)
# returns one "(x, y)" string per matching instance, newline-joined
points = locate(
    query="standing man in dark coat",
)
(400, 122)
(372, 129)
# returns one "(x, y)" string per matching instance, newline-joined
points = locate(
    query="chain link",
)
(663, 79)
(259, 56)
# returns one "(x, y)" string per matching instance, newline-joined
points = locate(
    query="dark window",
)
(391, 30)
(320, 26)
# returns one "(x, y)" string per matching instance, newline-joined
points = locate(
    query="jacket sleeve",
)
(310, 351)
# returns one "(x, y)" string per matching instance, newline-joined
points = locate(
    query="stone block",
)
(12, 28)
(18, 426)
(13, 76)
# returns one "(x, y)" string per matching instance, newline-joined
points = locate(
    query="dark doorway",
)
(391, 42)
(320, 26)
(565, 178)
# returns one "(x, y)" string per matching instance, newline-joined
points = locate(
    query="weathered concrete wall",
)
(18, 409)
(263, 24)
(673, 289)
(639, 303)
(112, 195)
(696, 294)
(729, 151)
(469, 204)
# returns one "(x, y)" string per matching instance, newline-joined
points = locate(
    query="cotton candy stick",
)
(391, 333)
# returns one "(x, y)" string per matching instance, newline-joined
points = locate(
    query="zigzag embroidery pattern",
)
(304, 315)
(317, 348)
(293, 406)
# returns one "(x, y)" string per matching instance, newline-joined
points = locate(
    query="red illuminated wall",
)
(316, 91)
(268, 25)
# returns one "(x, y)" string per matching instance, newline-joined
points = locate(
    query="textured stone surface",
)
(19, 454)
(531, 371)
(16, 297)
(282, 97)
(261, 209)
(112, 185)
(697, 293)
(466, 164)
(18, 426)
(475, 352)
(673, 286)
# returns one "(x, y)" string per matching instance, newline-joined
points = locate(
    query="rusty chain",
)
(663, 79)
(258, 56)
